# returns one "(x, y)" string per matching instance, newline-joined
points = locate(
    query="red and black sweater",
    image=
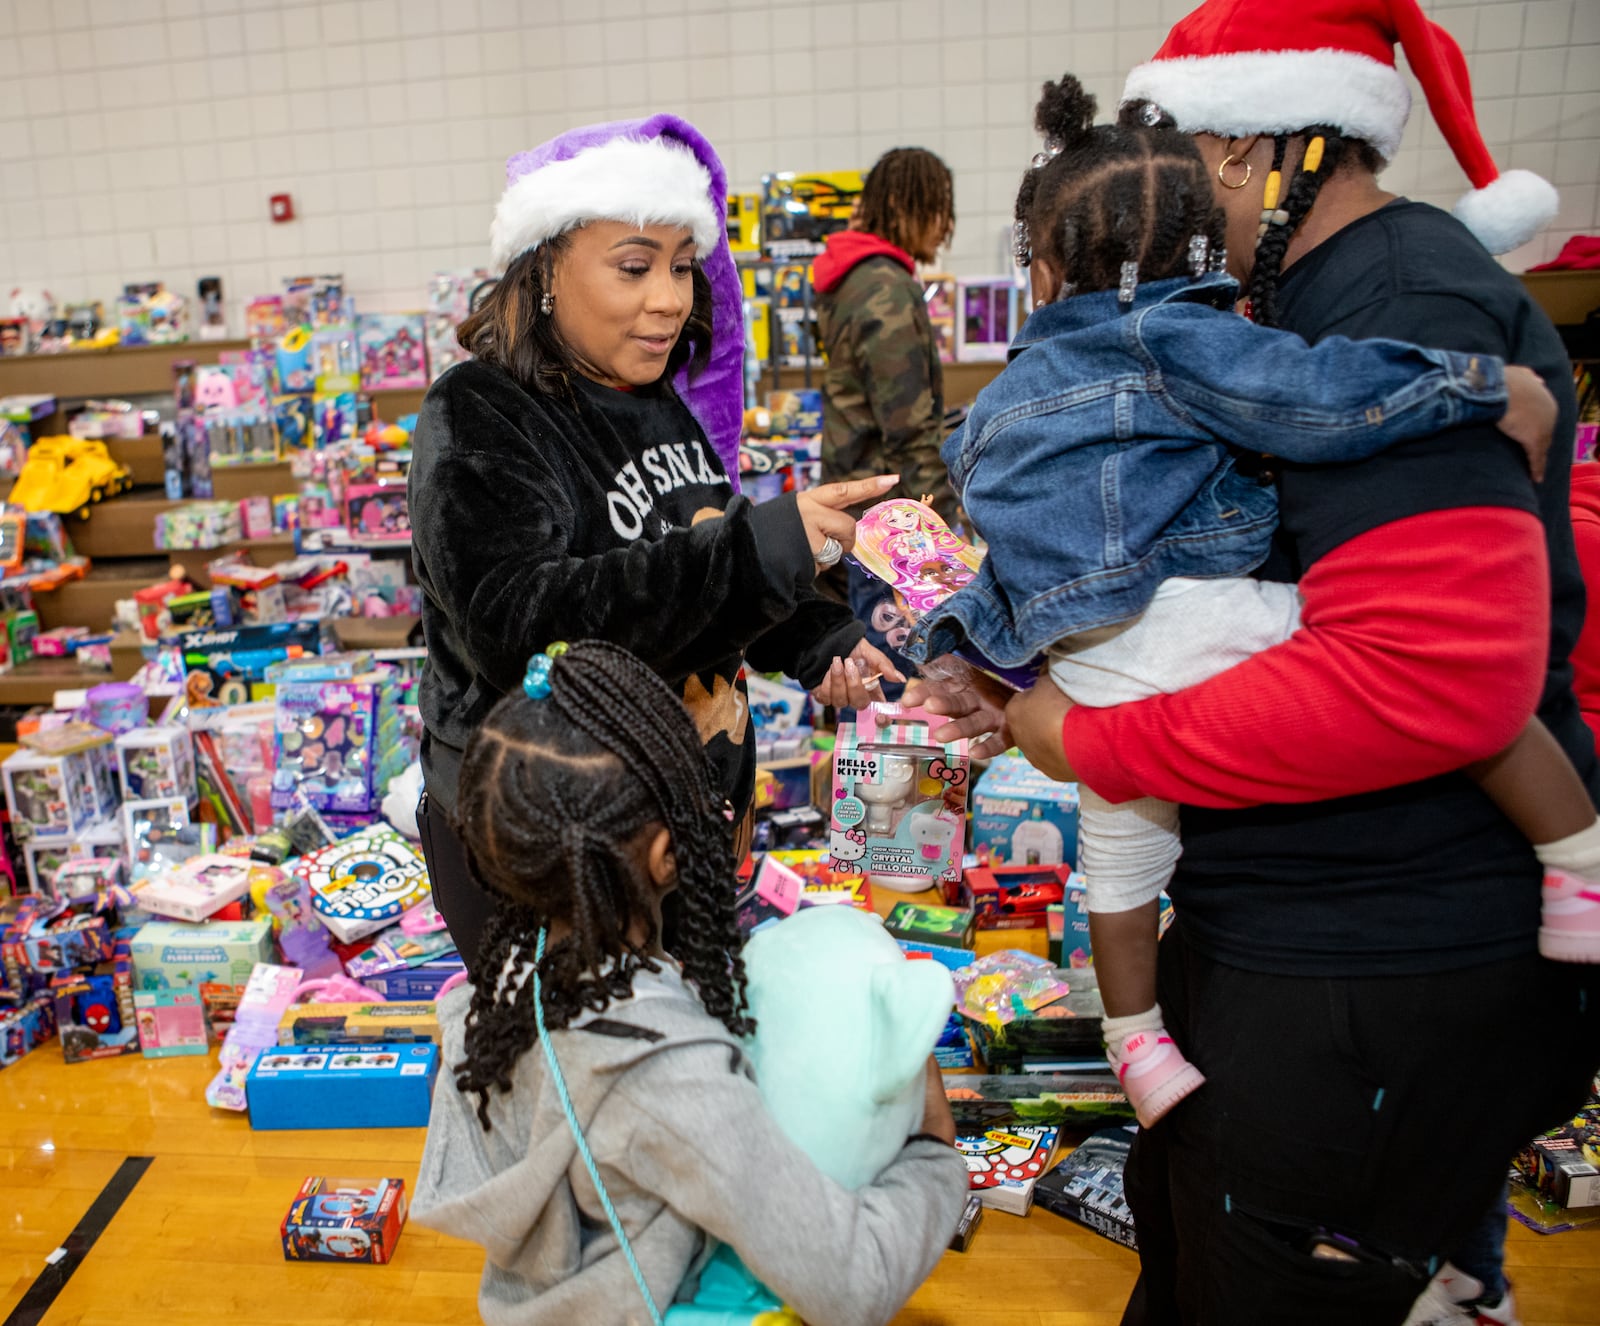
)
(1325, 830)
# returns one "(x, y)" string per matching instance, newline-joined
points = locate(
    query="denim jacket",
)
(1102, 461)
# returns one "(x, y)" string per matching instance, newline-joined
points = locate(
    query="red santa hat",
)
(1242, 67)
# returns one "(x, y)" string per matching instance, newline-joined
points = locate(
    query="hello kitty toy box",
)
(899, 800)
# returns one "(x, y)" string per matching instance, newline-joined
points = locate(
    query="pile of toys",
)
(225, 874)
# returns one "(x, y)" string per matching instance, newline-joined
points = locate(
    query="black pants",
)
(1383, 1109)
(463, 902)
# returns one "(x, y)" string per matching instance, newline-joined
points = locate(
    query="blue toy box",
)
(1020, 817)
(413, 983)
(347, 1086)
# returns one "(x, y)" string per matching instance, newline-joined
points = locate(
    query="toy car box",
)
(170, 955)
(41, 939)
(348, 1086)
(1013, 897)
(345, 1220)
(171, 1022)
(359, 1024)
(1020, 817)
(918, 923)
(94, 1010)
(414, 983)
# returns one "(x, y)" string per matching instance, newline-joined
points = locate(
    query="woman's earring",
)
(547, 303)
(1222, 172)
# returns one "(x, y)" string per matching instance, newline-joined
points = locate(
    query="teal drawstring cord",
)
(577, 1136)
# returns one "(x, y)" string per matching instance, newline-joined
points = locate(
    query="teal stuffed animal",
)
(844, 1028)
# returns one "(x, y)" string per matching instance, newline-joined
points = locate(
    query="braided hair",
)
(1102, 195)
(559, 799)
(907, 191)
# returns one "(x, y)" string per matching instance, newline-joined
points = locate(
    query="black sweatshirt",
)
(609, 517)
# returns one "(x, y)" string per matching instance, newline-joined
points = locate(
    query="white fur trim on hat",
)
(646, 182)
(1509, 212)
(1271, 92)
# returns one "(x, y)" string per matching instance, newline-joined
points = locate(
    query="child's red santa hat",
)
(1241, 67)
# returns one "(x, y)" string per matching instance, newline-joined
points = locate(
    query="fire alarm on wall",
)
(282, 207)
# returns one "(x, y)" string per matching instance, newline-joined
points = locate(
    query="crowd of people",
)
(1265, 438)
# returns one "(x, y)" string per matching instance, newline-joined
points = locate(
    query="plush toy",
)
(844, 1028)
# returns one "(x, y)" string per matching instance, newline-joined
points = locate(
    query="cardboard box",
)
(51, 797)
(26, 1028)
(171, 1022)
(919, 923)
(1013, 897)
(197, 889)
(1086, 1187)
(1020, 817)
(1564, 1164)
(355, 1086)
(94, 1010)
(345, 1220)
(422, 982)
(364, 883)
(359, 1024)
(173, 955)
(156, 764)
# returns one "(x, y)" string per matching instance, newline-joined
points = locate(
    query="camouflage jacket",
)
(883, 390)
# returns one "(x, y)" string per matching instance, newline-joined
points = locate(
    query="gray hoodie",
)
(687, 1150)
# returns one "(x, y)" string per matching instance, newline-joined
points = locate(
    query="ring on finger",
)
(830, 553)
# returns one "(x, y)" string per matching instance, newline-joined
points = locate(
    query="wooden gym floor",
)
(196, 1240)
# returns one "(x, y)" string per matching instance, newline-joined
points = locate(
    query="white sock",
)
(1578, 853)
(1115, 1031)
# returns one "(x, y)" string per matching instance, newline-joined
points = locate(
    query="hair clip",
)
(536, 684)
(1021, 244)
(1128, 284)
(1052, 149)
(1199, 254)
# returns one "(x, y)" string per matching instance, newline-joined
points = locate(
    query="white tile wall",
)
(141, 138)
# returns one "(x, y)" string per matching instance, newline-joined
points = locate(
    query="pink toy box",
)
(378, 512)
(171, 1022)
(899, 800)
(267, 996)
(391, 349)
(198, 888)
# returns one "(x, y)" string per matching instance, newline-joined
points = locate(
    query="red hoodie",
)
(1586, 534)
(848, 249)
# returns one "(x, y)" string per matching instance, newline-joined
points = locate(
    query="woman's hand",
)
(854, 682)
(824, 510)
(1036, 717)
(974, 703)
(1530, 417)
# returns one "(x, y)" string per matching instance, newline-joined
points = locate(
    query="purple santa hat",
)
(656, 171)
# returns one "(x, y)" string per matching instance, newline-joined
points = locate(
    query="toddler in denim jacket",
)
(1109, 470)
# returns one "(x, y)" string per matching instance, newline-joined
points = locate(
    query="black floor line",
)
(44, 1291)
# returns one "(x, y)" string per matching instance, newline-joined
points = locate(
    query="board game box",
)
(1087, 1186)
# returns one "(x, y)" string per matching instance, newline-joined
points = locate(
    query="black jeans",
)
(463, 902)
(1383, 1109)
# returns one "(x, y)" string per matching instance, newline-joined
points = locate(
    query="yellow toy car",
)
(68, 475)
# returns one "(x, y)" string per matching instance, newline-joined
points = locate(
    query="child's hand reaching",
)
(1530, 416)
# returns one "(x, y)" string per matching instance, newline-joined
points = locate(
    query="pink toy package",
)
(267, 996)
(376, 511)
(392, 350)
(899, 800)
(908, 546)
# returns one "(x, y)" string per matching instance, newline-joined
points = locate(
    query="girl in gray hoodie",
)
(585, 799)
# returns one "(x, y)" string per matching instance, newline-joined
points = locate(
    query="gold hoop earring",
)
(1222, 177)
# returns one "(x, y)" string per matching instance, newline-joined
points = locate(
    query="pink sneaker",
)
(1571, 922)
(1155, 1074)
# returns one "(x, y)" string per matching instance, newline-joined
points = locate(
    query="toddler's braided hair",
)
(556, 795)
(1113, 194)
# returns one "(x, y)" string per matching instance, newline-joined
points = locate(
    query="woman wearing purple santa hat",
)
(1355, 968)
(577, 478)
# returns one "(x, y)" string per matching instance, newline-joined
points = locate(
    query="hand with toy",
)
(855, 681)
(975, 704)
(825, 512)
